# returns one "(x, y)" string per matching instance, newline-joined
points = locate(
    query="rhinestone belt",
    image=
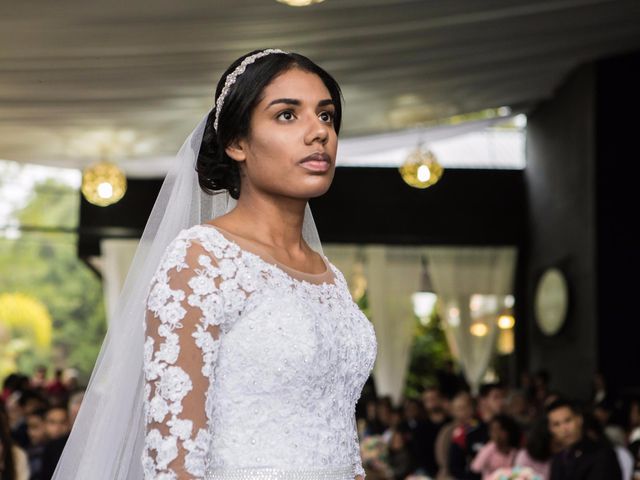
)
(331, 473)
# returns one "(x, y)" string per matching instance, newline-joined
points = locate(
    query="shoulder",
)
(191, 243)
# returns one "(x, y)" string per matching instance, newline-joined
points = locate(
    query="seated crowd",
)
(501, 433)
(445, 434)
(36, 415)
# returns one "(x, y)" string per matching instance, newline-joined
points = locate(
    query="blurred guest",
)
(14, 382)
(538, 450)
(19, 405)
(614, 437)
(57, 427)
(56, 389)
(70, 379)
(491, 401)
(373, 424)
(396, 418)
(399, 458)
(501, 451)
(37, 441)
(14, 464)
(462, 413)
(518, 408)
(56, 422)
(413, 429)
(436, 418)
(582, 457)
(39, 378)
(466, 441)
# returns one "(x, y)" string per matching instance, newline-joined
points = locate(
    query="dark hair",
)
(487, 388)
(216, 170)
(510, 426)
(562, 403)
(57, 407)
(39, 412)
(538, 444)
(28, 395)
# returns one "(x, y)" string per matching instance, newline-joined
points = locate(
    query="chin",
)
(317, 190)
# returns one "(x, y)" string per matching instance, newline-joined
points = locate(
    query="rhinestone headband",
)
(231, 78)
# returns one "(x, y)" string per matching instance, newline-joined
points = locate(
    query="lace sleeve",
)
(183, 313)
(355, 448)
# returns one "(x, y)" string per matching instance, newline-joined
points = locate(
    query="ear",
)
(237, 150)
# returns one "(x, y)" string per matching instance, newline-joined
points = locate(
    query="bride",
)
(244, 354)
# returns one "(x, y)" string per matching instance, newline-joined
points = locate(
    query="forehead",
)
(297, 84)
(56, 414)
(560, 413)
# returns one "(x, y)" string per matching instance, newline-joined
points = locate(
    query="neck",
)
(275, 221)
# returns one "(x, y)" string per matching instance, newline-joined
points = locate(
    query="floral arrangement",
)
(374, 451)
(515, 473)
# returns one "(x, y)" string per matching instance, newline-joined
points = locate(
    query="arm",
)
(184, 310)
(355, 449)
(480, 462)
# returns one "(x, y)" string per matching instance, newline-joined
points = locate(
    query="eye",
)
(328, 116)
(289, 115)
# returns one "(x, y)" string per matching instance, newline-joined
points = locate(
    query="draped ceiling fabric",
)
(472, 284)
(134, 77)
(117, 255)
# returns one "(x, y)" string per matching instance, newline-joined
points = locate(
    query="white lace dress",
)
(252, 369)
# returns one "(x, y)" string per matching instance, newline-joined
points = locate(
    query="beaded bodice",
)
(248, 366)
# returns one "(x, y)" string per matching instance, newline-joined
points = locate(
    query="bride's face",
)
(292, 121)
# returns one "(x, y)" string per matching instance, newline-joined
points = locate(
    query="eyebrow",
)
(294, 101)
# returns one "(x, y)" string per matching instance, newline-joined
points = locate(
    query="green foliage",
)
(45, 265)
(429, 353)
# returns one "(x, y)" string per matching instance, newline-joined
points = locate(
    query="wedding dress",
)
(252, 369)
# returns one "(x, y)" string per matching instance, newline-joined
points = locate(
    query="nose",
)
(318, 132)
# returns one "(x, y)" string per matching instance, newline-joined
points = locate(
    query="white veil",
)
(108, 435)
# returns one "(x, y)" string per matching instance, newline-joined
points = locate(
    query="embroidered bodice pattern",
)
(247, 366)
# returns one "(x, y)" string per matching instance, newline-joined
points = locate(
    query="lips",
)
(317, 157)
(316, 162)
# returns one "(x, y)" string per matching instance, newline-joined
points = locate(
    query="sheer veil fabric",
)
(107, 438)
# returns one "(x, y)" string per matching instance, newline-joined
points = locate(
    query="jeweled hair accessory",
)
(231, 78)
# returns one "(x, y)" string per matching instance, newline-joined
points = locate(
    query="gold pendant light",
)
(103, 183)
(421, 168)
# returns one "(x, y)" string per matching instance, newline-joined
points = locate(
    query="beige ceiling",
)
(76, 74)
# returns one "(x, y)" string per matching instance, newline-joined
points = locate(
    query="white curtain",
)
(117, 255)
(473, 285)
(393, 275)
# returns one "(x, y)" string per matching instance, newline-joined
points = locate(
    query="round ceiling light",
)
(421, 169)
(103, 183)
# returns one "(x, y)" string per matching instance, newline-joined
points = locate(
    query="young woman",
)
(254, 351)
(501, 451)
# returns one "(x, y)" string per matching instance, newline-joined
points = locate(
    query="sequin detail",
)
(337, 473)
